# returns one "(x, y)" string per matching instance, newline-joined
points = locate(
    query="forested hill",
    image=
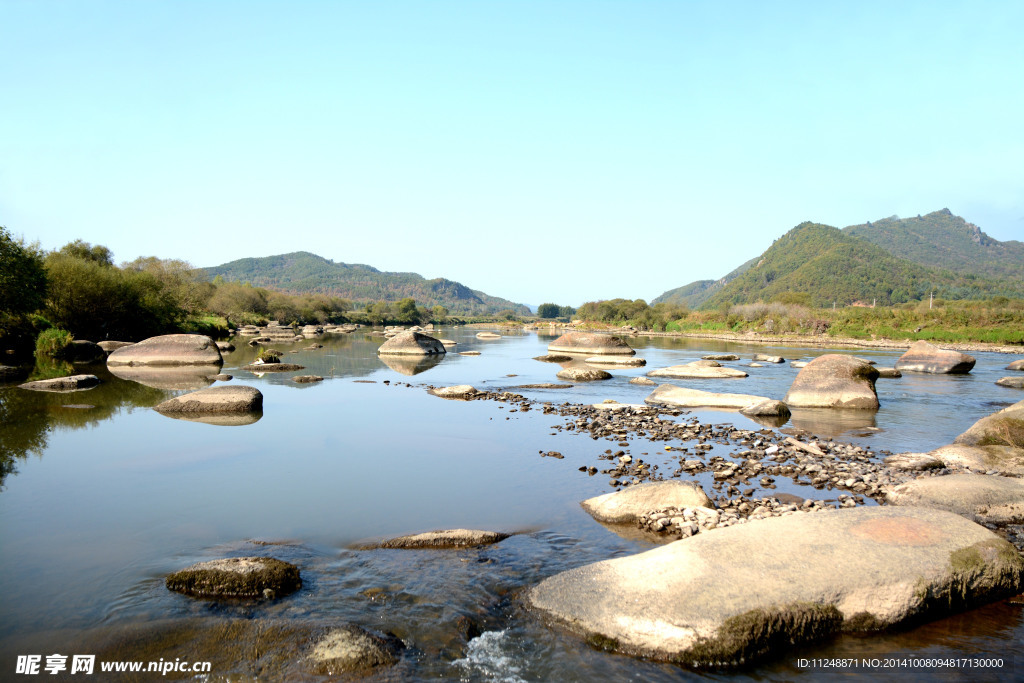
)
(303, 272)
(818, 264)
(943, 240)
(696, 293)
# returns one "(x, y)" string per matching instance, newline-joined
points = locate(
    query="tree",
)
(548, 311)
(22, 277)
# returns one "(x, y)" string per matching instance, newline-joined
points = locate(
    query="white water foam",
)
(488, 658)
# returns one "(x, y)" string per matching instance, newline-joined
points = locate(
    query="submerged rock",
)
(749, 591)
(591, 343)
(487, 335)
(110, 346)
(616, 360)
(721, 356)
(579, 373)
(273, 367)
(643, 381)
(71, 383)
(237, 577)
(626, 506)
(447, 538)
(225, 346)
(889, 373)
(411, 343)
(978, 497)
(351, 649)
(834, 381)
(1012, 382)
(307, 379)
(671, 395)
(768, 408)
(168, 349)
(925, 357)
(553, 358)
(764, 358)
(223, 399)
(459, 391)
(913, 462)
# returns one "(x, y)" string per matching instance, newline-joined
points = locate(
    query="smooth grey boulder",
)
(671, 395)
(307, 379)
(721, 356)
(626, 506)
(913, 462)
(643, 381)
(579, 373)
(768, 408)
(109, 346)
(235, 398)
(553, 358)
(411, 343)
(591, 344)
(459, 392)
(978, 497)
(1016, 365)
(888, 373)
(237, 577)
(71, 383)
(168, 349)
(1011, 382)
(87, 352)
(616, 361)
(834, 380)
(764, 358)
(744, 592)
(925, 357)
(353, 650)
(443, 539)
(701, 369)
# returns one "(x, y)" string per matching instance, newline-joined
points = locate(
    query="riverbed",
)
(105, 497)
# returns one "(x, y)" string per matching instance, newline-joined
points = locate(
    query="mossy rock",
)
(237, 577)
(351, 649)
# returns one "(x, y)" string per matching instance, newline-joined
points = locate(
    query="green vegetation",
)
(22, 288)
(54, 343)
(999, 320)
(268, 355)
(305, 273)
(555, 312)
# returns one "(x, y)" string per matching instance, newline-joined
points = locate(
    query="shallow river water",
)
(103, 497)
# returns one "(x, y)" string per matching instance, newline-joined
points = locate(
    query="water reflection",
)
(170, 378)
(830, 423)
(411, 365)
(222, 420)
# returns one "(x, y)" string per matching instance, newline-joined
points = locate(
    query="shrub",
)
(54, 343)
(268, 355)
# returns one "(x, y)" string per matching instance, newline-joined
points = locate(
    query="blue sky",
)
(539, 151)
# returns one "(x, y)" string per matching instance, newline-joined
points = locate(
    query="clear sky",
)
(539, 151)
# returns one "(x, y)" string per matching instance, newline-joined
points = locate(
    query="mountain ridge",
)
(305, 272)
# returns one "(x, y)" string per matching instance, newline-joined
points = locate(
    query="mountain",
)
(943, 240)
(696, 293)
(889, 261)
(303, 272)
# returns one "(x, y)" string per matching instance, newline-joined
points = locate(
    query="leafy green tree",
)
(548, 311)
(23, 286)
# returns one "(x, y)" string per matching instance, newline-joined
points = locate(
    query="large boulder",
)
(701, 369)
(978, 497)
(237, 577)
(411, 343)
(1016, 365)
(71, 383)
(582, 373)
(235, 398)
(671, 395)
(995, 442)
(752, 590)
(626, 506)
(925, 357)
(168, 349)
(591, 344)
(834, 381)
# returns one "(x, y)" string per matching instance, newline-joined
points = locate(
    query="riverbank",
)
(817, 340)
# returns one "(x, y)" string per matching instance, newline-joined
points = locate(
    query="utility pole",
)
(931, 295)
